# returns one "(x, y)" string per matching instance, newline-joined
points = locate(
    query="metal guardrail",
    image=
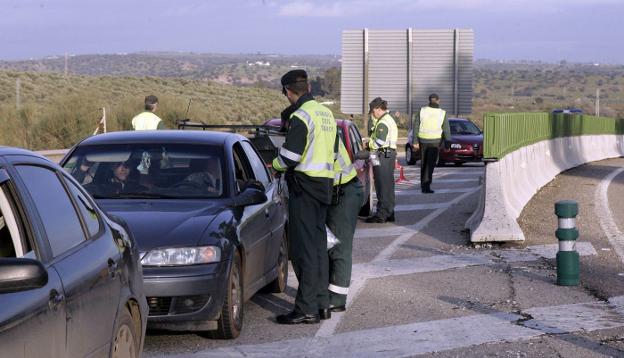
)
(505, 132)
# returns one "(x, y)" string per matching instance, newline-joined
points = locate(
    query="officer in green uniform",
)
(341, 219)
(148, 120)
(430, 123)
(383, 143)
(307, 157)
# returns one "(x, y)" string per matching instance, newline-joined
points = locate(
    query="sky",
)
(545, 30)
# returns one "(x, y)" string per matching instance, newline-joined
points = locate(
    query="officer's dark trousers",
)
(384, 183)
(428, 160)
(341, 220)
(308, 249)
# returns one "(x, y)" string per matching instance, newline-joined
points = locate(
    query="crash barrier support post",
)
(567, 256)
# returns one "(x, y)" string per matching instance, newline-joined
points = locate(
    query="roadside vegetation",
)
(40, 108)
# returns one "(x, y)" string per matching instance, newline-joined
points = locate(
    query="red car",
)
(350, 135)
(466, 145)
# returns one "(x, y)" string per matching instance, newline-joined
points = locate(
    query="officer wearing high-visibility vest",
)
(307, 157)
(147, 120)
(430, 126)
(382, 144)
(342, 217)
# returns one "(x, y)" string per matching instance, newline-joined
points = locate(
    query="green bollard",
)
(567, 257)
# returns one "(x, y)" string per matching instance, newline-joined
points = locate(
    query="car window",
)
(242, 168)
(87, 210)
(464, 128)
(259, 168)
(356, 139)
(57, 213)
(148, 170)
(12, 244)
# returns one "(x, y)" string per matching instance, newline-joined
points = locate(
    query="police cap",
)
(294, 76)
(433, 96)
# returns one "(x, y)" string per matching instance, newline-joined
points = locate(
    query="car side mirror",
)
(253, 194)
(21, 274)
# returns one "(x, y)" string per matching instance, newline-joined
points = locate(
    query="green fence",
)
(506, 132)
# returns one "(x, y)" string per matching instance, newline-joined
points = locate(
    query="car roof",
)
(163, 136)
(460, 119)
(19, 151)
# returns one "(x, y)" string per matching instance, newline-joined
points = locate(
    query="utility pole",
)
(597, 111)
(66, 67)
(18, 99)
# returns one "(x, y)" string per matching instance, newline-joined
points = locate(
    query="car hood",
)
(468, 139)
(164, 223)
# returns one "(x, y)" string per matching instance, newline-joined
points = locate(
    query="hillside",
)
(238, 69)
(55, 112)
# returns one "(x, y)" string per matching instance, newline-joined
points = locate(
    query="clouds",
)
(352, 8)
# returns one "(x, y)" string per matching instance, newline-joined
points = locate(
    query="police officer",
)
(382, 143)
(147, 120)
(307, 157)
(341, 219)
(430, 123)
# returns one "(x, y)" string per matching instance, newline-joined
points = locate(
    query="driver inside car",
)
(204, 173)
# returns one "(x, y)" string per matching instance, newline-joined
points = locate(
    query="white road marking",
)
(414, 207)
(440, 335)
(603, 212)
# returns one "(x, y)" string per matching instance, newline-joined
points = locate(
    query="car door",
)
(32, 322)
(83, 253)
(274, 207)
(253, 231)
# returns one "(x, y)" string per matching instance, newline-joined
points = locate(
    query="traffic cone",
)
(401, 174)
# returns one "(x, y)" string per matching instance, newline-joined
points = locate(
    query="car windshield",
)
(142, 170)
(464, 128)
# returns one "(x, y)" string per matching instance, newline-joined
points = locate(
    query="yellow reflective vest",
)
(343, 167)
(145, 121)
(391, 138)
(431, 120)
(317, 159)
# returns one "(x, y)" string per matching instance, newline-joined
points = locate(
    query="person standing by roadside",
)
(382, 143)
(430, 126)
(148, 120)
(342, 217)
(307, 157)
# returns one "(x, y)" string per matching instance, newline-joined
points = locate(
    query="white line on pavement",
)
(428, 206)
(603, 211)
(440, 335)
(328, 327)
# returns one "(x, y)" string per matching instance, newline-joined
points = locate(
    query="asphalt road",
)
(420, 288)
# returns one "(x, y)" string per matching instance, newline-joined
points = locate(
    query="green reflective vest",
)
(343, 167)
(145, 121)
(317, 159)
(431, 120)
(391, 138)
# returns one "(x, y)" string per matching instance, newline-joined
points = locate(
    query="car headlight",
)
(182, 256)
(456, 146)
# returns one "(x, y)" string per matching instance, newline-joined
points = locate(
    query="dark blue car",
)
(208, 217)
(70, 275)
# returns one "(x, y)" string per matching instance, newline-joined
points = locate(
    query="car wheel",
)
(410, 158)
(441, 163)
(230, 323)
(125, 340)
(458, 164)
(279, 284)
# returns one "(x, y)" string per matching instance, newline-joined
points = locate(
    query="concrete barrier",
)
(513, 180)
